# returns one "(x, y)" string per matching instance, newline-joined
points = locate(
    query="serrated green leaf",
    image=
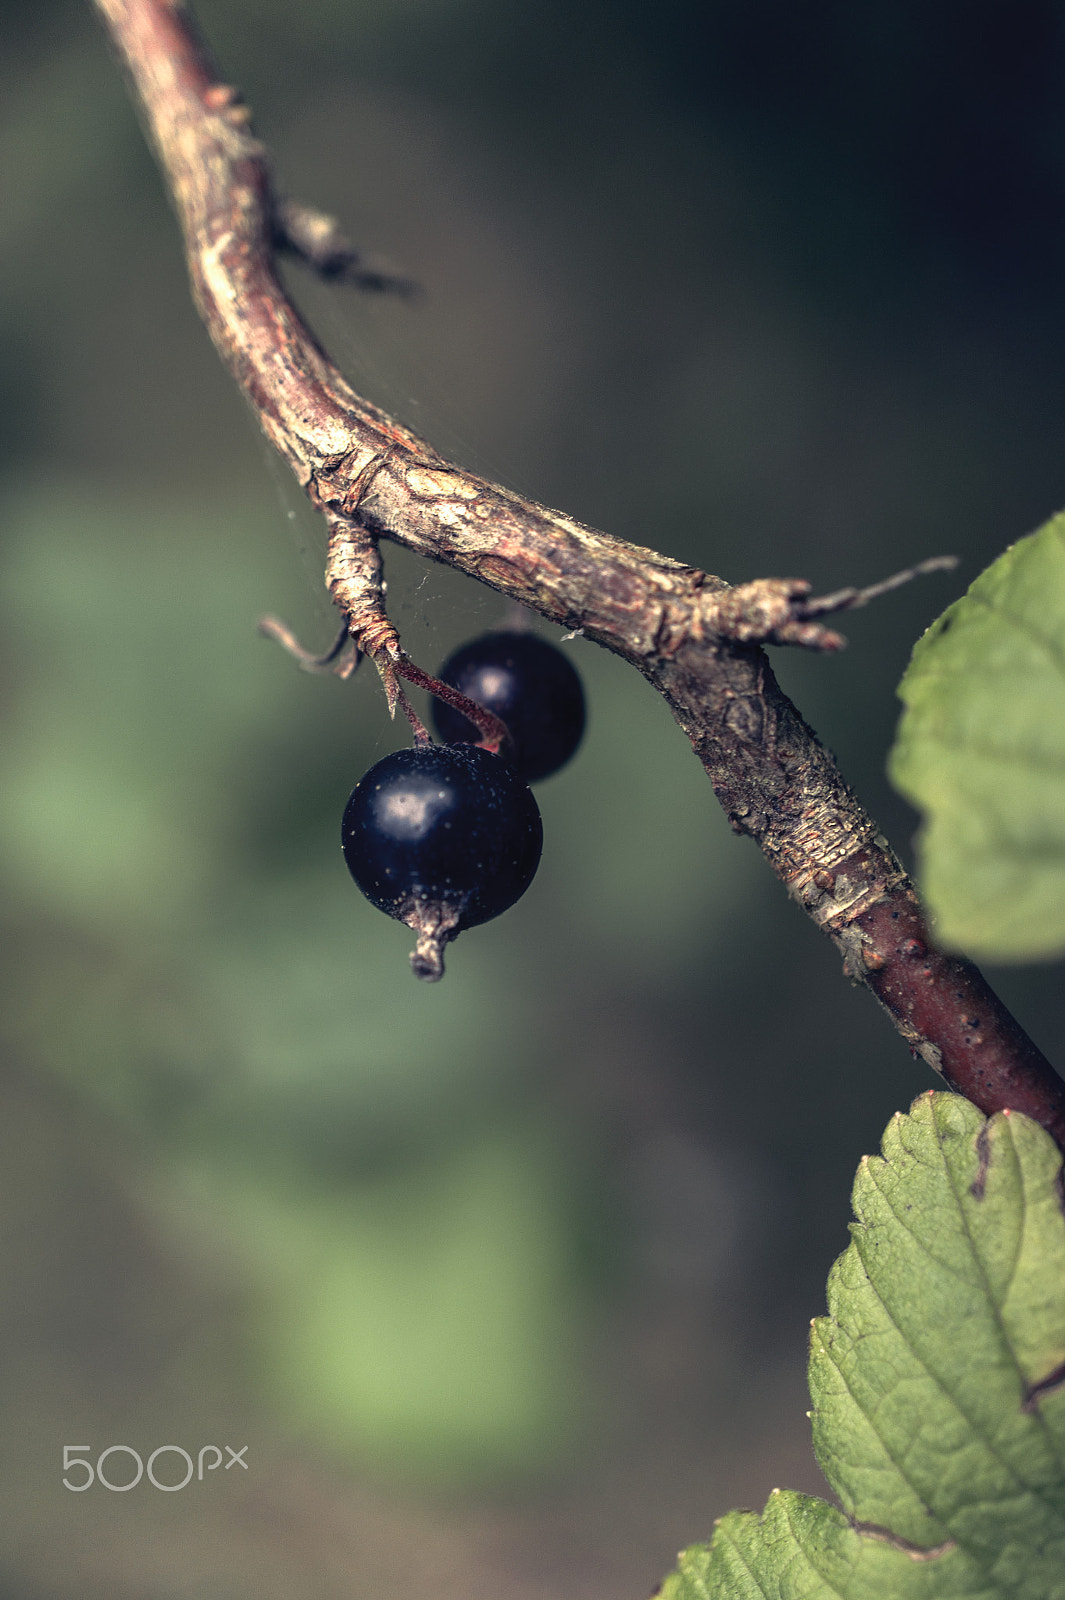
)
(980, 751)
(933, 1418)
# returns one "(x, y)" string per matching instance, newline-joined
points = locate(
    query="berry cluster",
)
(443, 837)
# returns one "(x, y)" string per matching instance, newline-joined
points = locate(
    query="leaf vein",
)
(996, 1306)
(973, 1425)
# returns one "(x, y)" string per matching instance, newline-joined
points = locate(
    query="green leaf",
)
(934, 1421)
(981, 752)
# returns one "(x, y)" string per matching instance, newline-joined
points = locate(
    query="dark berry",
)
(441, 837)
(530, 686)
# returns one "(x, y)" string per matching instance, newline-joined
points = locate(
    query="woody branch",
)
(695, 638)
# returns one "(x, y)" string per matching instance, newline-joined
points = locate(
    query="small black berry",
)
(441, 837)
(530, 686)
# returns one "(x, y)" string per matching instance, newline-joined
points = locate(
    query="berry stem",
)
(493, 731)
(422, 736)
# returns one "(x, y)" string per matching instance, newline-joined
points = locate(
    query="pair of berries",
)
(443, 837)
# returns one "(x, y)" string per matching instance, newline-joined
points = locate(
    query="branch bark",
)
(696, 639)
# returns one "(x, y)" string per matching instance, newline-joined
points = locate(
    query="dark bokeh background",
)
(506, 1281)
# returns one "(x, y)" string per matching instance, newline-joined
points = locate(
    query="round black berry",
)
(530, 686)
(441, 837)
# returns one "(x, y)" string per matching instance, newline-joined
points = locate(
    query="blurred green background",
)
(506, 1281)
